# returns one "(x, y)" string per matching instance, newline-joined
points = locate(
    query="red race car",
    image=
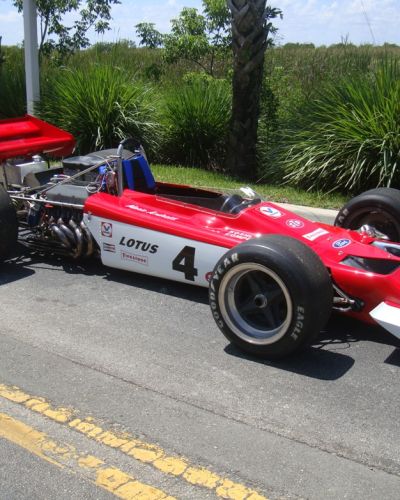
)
(273, 277)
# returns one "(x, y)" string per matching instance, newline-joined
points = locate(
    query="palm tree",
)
(251, 27)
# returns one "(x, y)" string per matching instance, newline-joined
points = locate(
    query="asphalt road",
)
(143, 356)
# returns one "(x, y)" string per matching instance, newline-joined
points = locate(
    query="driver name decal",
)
(152, 212)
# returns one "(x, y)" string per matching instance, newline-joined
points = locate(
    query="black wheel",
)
(378, 208)
(270, 296)
(8, 225)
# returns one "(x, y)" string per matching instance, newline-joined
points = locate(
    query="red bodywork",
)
(225, 230)
(28, 136)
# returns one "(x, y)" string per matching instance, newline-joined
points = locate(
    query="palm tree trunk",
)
(249, 41)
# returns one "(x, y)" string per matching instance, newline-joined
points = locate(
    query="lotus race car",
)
(273, 277)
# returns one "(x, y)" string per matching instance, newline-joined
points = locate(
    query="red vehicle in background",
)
(273, 277)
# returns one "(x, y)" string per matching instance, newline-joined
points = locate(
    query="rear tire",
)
(270, 296)
(378, 208)
(8, 225)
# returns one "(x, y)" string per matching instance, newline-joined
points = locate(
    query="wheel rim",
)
(255, 303)
(380, 220)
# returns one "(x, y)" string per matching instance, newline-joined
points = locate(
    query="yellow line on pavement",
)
(95, 470)
(129, 445)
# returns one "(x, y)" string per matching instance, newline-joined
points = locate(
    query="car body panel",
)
(174, 225)
(28, 136)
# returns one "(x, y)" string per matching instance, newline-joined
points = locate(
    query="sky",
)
(322, 22)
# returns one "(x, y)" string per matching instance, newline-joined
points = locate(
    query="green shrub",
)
(12, 84)
(100, 105)
(349, 137)
(195, 118)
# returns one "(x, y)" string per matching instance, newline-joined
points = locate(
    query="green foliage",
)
(196, 38)
(12, 83)
(92, 14)
(100, 105)
(2, 57)
(349, 138)
(279, 193)
(195, 120)
(149, 36)
(188, 39)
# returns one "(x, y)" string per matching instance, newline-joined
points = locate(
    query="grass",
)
(349, 137)
(283, 194)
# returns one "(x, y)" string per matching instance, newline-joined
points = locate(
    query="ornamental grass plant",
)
(195, 119)
(101, 105)
(12, 84)
(348, 138)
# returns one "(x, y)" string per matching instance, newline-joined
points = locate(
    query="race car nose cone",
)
(260, 301)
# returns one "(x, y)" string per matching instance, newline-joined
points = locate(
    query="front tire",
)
(270, 296)
(378, 208)
(8, 225)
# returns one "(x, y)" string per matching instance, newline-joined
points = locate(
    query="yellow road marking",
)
(129, 445)
(95, 470)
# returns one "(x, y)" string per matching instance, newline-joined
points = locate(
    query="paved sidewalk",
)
(316, 214)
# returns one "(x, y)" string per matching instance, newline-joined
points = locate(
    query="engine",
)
(49, 200)
(57, 229)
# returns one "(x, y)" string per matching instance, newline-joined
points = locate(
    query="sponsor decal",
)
(240, 235)
(271, 212)
(295, 223)
(137, 259)
(108, 247)
(106, 229)
(215, 277)
(138, 245)
(299, 323)
(315, 234)
(344, 242)
(154, 213)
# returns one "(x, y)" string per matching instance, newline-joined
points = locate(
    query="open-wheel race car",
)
(273, 277)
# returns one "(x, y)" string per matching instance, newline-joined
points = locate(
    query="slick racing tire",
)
(378, 208)
(271, 295)
(8, 225)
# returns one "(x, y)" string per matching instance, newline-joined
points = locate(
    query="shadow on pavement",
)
(14, 269)
(329, 358)
(394, 358)
(341, 332)
(24, 263)
(312, 362)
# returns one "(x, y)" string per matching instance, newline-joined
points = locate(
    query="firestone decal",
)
(152, 212)
(315, 234)
(271, 212)
(138, 245)
(138, 259)
(106, 229)
(344, 242)
(295, 223)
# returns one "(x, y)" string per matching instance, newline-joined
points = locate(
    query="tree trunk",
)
(249, 41)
